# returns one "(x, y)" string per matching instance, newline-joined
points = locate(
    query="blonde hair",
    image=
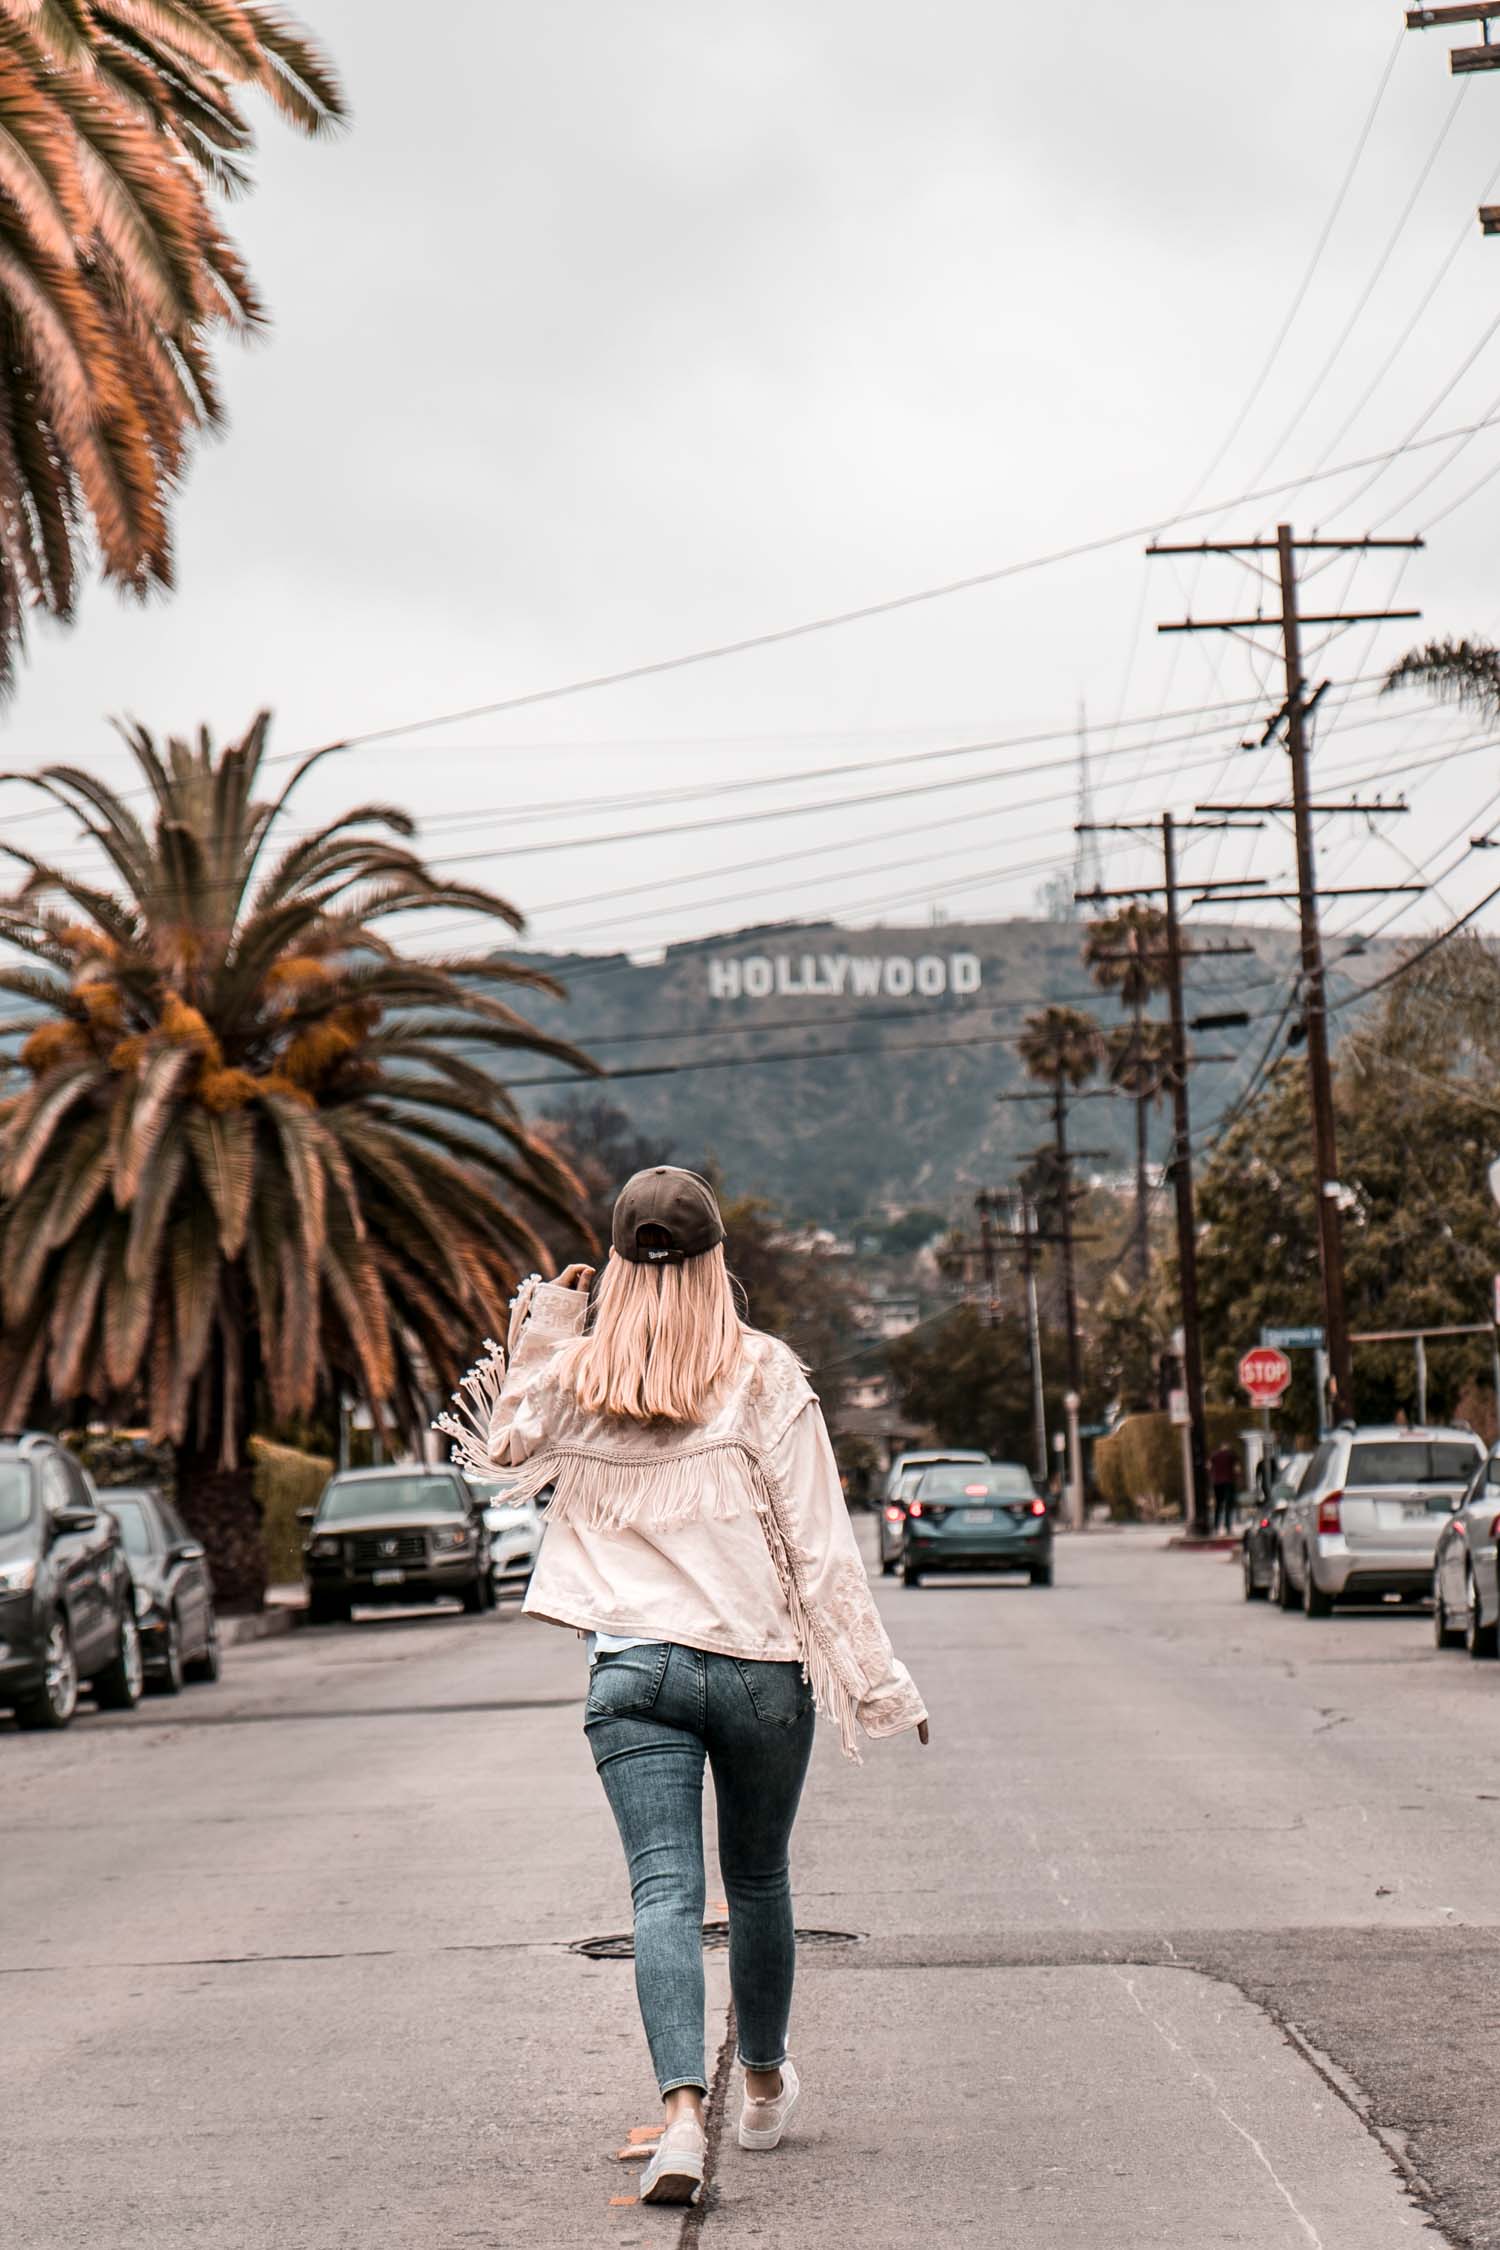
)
(663, 1340)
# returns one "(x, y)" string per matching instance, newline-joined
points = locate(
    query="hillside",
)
(837, 1069)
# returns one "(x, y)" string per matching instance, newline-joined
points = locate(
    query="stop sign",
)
(1264, 1375)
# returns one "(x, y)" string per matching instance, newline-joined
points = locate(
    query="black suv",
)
(407, 1534)
(67, 1604)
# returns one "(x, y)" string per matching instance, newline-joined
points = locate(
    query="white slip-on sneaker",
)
(675, 2172)
(763, 2123)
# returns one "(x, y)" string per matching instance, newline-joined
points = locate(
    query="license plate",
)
(386, 1577)
(976, 1515)
(1414, 1511)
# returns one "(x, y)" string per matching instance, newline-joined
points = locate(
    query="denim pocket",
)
(626, 1682)
(778, 1692)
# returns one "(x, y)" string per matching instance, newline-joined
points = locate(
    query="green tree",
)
(258, 1155)
(121, 130)
(1418, 1098)
(971, 1384)
(801, 1293)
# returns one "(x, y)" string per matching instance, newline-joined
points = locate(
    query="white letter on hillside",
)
(723, 980)
(965, 972)
(758, 977)
(932, 976)
(864, 978)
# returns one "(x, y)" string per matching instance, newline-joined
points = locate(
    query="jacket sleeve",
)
(834, 1584)
(500, 1424)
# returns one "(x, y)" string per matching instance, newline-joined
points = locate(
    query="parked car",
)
(1365, 1520)
(905, 1473)
(174, 1593)
(515, 1529)
(1258, 1547)
(67, 1607)
(980, 1516)
(1465, 1577)
(405, 1534)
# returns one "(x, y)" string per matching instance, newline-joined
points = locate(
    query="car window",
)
(1492, 1470)
(908, 1482)
(1380, 1461)
(176, 1530)
(390, 1496)
(15, 1496)
(1318, 1466)
(494, 1495)
(1003, 1481)
(137, 1532)
(54, 1484)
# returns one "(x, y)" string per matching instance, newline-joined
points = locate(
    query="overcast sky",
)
(608, 332)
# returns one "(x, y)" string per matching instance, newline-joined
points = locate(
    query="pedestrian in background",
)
(697, 1534)
(1224, 1472)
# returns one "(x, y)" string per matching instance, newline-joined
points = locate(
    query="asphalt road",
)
(1183, 1932)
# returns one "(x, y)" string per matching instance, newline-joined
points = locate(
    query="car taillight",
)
(1495, 1529)
(893, 1514)
(914, 1507)
(1039, 1507)
(1330, 1516)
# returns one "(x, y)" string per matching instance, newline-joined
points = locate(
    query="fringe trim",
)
(658, 1492)
(477, 1399)
(833, 1693)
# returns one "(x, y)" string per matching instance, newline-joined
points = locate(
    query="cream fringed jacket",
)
(731, 1536)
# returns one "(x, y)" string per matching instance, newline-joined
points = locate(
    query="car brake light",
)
(893, 1514)
(914, 1507)
(1039, 1507)
(1495, 1529)
(976, 1491)
(1330, 1517)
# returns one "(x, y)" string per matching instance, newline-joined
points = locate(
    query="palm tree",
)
(1063, 1048)
(1127, 954)
(1465, 672)
(259, 1158)
(121, 127)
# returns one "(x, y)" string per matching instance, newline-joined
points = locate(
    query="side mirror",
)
(191, 1550)
(75, 1519)
(307, 1515)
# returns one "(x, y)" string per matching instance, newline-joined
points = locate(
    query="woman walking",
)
(698, 1536)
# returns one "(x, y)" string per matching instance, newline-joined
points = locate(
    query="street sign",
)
(1177, 1401)
(1264, 1375)
(1292, 1339)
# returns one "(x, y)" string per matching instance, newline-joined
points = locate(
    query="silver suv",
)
(1366, 1517)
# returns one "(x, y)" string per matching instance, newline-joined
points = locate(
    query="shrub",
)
(285, 1481)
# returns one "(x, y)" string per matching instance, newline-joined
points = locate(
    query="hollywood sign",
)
(829, 976)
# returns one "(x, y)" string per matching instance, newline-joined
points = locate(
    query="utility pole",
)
(1196, 1504)
(1464, 60)
(1034, 1339)
(1294, 714)
(984, 1205)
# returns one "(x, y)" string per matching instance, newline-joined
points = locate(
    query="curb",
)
(1219, 1544)
(264, 1625)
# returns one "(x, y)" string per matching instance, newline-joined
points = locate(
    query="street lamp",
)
(1071, 1404)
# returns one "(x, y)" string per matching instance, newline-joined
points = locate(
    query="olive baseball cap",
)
(680, 1204)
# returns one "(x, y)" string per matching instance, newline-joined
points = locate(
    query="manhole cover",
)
(620, 1946)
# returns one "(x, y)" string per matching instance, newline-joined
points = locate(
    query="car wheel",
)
(910, 1576)
(56, 1701)
(1253, 1593)
(168, 1680)
(1445, 1633)
(118, 1687)
(1315, 1603)
(1480, 1640)
(887, 1566)
(1283, 1592)
(210, 1663)
(474, 1600)
(329, 1609)
(1041, 1574)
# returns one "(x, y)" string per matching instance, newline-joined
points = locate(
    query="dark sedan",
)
(402, 1535)
(67, 1617)
(977, 1518)
(174, 1594)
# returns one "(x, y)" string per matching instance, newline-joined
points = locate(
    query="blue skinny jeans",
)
(653, 1715)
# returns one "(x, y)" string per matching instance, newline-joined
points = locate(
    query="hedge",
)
(285, 1481)
(1138, 1469)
